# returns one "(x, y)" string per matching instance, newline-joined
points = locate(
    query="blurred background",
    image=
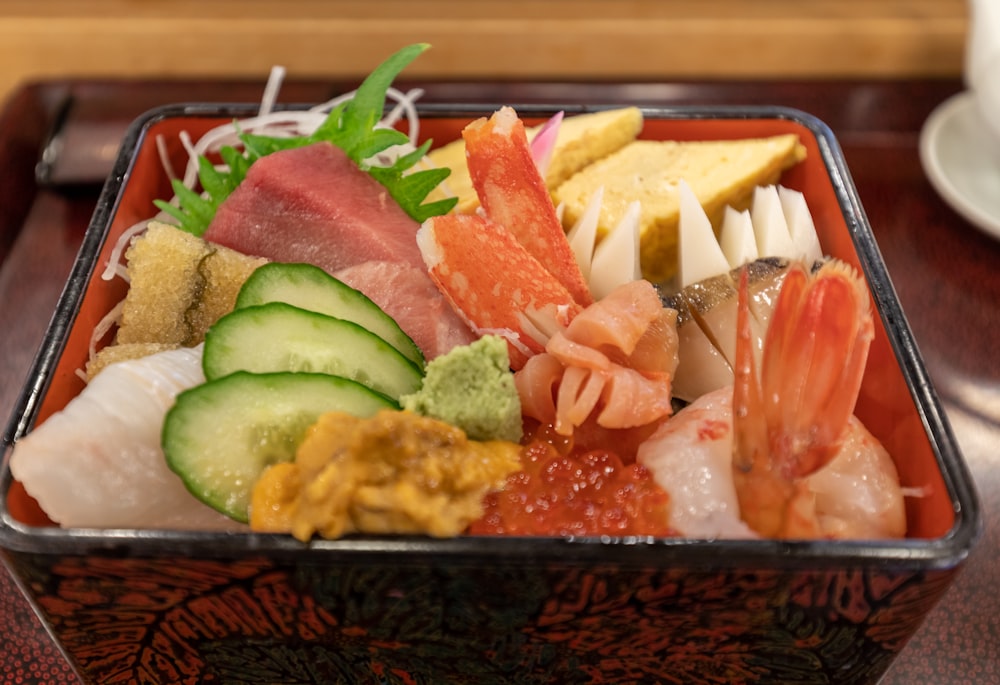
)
(601, 40)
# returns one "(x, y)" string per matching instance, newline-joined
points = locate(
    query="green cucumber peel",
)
(219, 436)
(310, 287)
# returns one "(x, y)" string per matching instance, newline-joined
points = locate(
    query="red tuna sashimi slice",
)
(491, 280)
(513, 194)
(408, 295)
(313, 204)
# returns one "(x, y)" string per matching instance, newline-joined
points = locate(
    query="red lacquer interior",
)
(885, 404)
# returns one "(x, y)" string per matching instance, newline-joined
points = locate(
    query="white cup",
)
(982, 44)
(982, 67)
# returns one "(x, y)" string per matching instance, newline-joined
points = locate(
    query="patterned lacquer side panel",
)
(127, 620)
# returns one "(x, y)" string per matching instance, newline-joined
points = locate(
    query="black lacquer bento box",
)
(181, 607)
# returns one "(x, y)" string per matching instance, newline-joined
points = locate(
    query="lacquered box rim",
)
(946, 551)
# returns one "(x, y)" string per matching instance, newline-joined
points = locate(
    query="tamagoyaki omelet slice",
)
(720, 173)
(581, 140)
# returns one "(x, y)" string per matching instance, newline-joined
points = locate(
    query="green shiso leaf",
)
(351, 126)
(414, 185)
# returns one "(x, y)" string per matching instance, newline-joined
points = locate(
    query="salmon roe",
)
(563, 491)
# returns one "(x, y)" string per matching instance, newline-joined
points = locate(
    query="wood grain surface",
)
(606, 40)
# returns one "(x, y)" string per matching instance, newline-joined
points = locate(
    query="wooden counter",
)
(607, 40)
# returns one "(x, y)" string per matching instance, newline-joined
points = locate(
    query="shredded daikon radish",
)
(405, 106)
(271, 89)
(296, 123)
(114, 266)
(161, 150)
(103, 326)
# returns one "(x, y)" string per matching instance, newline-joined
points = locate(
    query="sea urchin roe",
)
(395, 472)
(588, 493)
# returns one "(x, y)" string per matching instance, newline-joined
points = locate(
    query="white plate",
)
(960, 163)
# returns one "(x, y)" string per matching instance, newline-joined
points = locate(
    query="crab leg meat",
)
(491, 280)
(513, 194)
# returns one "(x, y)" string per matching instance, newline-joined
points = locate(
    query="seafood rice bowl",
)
(378, 391)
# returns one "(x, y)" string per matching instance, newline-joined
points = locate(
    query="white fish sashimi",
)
(98, 462)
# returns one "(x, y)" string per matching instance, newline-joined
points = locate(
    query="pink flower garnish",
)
(544, 143)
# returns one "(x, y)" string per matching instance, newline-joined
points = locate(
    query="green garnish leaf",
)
(403, 185)
(193, 212)
(214, 182)
(174, 211)
(353, 127)
(380, 140)
(258, 146)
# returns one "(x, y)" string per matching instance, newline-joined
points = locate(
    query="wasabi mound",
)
(472, 387)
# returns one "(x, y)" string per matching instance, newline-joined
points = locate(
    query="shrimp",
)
(790, 422)
(690, 456)
(858, 494)
(782, 455)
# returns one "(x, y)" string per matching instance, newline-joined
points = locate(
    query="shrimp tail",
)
(749, 420)
(769, 502)
(789, 422)
(812, 365)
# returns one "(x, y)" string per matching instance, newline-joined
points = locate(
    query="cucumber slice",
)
(309, 287)
(279, 337)
(221, 435)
